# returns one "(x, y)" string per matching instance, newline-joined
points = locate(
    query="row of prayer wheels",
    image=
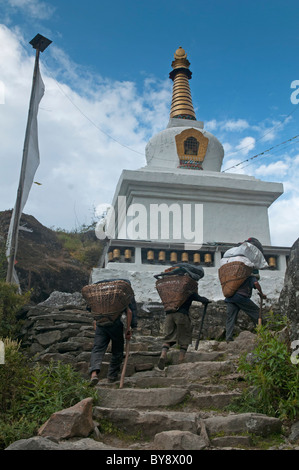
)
(196, 258)
(174, 257)
(115, 255)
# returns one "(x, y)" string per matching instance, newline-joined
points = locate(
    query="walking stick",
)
(260, 313)
(202, 320)
(123, 373)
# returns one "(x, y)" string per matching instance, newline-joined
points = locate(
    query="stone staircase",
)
(182, 407)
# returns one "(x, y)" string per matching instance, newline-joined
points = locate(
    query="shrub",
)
(10, 303)
(30, 394)
(274, 378)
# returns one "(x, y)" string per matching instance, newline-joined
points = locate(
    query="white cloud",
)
(235, 125)
(35, 8)
(284, 223)
(245, 145)
(276, 169)
(80, 163)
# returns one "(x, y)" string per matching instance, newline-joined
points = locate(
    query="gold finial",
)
(180, 59)
(181, 106)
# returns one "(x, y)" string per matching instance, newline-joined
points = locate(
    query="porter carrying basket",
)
(108, 299)
(175, 290)
(232, 275)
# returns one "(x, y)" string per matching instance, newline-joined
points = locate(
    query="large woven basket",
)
(232, 275)
(108, 298)
(175, 290)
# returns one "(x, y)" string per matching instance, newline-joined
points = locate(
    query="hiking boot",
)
(112, 379)
(93, 381)
(161, 363)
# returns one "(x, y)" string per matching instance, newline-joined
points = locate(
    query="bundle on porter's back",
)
(176, 284)
(109, 298)
(238, 263)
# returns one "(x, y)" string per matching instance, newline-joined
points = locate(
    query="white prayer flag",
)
(30, 161)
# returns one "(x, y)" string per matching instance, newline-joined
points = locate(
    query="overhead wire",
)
(261, 153)
(88, 118)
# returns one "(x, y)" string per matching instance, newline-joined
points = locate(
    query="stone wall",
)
(61, 329)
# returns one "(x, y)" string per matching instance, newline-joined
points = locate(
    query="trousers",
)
(103, 335)
(232, 310)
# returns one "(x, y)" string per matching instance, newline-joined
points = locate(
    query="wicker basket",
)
(108, 298)
(232, 275)
(175, 290)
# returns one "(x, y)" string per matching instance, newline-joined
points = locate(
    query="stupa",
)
(181, 207)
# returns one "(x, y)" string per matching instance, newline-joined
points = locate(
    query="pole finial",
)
(40, 42)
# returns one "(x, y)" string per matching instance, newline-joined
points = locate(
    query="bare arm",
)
(260, 292)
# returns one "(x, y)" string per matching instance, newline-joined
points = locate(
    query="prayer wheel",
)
(173, 257)
(196, 258)
(128, 255)
(208, 258)
(185, 257)
(162, 256)
(272, 262)
(110, 256)
(116, 254)
(150, 256)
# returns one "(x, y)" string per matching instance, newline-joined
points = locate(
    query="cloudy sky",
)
(108, 91)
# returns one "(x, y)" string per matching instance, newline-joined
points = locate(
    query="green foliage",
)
(80, 246)
(10, 302)
(3, 260)
(56, 387)
(273, 378)
(30, 394)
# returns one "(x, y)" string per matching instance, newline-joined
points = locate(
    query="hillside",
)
(49, 260)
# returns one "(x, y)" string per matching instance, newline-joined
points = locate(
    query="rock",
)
(73, 421)
(294, 435)
(148, 423)
(232, 441)
(64, 299)
(244, 342)
(213, 400)
(45, 339)
(43, 443)
(86, 444)
(140, 398)
(179, 440)
(289, 296)
(193, 371)
(254, 423)
(34, 443)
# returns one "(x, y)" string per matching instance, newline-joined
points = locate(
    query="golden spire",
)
(181, 105)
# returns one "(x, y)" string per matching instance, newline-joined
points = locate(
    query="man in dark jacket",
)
(114, 332)
(178, 329)
(241, 301)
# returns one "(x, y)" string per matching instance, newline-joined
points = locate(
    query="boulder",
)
(254, 423)
(179, 440)
(289, 296)
(74, 421)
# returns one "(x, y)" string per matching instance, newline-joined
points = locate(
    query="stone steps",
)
(183, 405)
